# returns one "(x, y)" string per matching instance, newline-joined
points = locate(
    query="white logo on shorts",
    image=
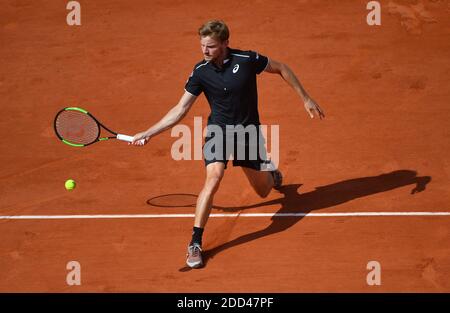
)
(236, 68)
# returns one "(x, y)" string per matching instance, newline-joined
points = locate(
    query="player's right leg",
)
(214, 174)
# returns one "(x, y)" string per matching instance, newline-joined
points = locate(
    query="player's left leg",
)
(262, 174)
(261, 181)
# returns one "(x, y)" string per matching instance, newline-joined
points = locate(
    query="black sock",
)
(197, 235)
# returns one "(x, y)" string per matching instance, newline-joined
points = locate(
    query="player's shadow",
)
(321, 198)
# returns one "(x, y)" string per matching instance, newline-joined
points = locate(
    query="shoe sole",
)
(194, 265)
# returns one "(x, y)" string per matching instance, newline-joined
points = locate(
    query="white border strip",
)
(240, 55)
(122, 216)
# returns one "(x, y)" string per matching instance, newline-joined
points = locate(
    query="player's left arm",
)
(288, 75)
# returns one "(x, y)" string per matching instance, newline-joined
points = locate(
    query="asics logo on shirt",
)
(236, 68)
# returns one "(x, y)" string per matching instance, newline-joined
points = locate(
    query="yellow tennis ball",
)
(70, 184)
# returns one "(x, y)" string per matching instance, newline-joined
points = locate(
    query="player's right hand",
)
(140, 139)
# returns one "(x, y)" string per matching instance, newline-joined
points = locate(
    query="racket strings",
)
(77, 127)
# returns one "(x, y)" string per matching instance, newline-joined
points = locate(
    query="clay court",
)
(370, 182)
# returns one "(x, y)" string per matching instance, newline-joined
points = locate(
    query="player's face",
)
(213, 49)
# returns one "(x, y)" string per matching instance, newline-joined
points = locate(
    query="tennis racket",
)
(79, 128)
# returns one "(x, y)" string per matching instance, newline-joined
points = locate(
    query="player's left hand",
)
(313, 109)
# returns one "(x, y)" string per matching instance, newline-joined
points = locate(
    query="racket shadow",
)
(321, 198)
(182, 200)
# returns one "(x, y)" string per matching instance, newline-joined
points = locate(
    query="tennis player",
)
(228, 78)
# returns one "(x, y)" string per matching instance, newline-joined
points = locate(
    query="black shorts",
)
(246, 149)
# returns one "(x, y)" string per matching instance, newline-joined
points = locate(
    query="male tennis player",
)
(228, 79)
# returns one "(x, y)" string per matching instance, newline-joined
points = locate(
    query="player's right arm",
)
(176, 114)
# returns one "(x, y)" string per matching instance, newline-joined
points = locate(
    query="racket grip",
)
(125, 138)
(128, 138)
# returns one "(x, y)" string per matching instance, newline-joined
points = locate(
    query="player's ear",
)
(225, 43)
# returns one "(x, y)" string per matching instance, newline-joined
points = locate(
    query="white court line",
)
(118, 216)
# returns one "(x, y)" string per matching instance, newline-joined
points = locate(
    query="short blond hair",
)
(216, 29)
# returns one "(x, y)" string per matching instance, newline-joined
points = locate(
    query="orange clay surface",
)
(386, 97)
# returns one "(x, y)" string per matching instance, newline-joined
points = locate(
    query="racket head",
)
(174, 200)
(76, 127)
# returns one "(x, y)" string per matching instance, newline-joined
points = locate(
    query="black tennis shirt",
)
(231, 91)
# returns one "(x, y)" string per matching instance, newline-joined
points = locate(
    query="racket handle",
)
(125, 138)
(128, 138)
